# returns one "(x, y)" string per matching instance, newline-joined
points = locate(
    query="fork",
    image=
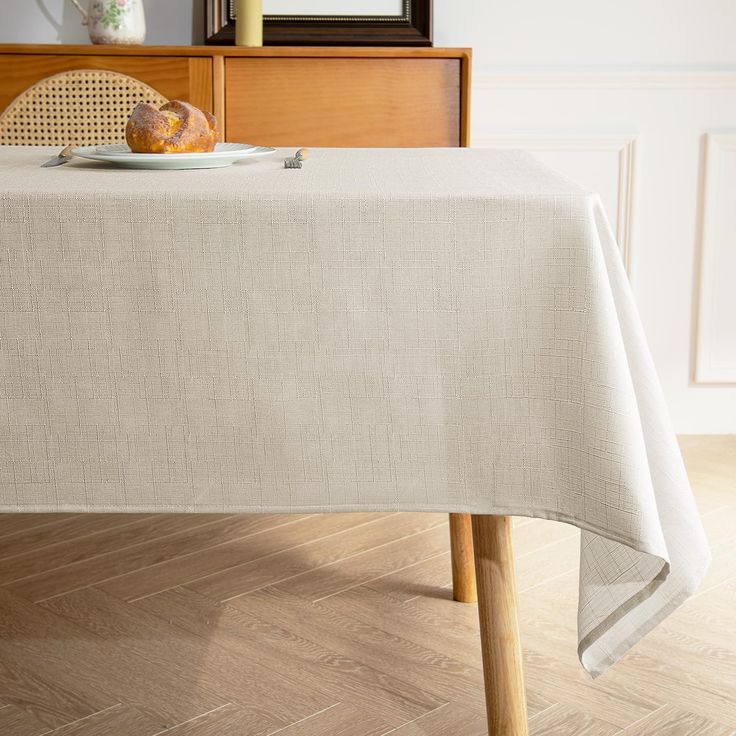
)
(295, 161)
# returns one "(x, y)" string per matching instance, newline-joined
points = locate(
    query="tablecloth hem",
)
(624, 645)
(650, 623)
(636, 544)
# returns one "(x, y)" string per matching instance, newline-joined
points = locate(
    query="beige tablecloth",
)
(414, 330)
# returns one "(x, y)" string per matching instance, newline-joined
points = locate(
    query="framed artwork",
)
(329, 22)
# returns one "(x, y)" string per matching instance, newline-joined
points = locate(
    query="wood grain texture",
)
(672, 721)
(447, 679)
(350, 52)
(201, 81)
(265, 694)
(465, 87)
(343, 101)
(306, 95)
(228, 720)
(218, 93)
(42, 692)
(39, 641)
(430, 577)
(71, 529)
(169, 76)
(234, 559)
(463, 566)
(499, 626)
(17, 721)
(427, 538)
(53, 574)
(239, 566)
(451, 719)
(342, 719)
(249, 635)
(419, 621)
(114, 721)
(560, 720)
(384, 649)
(11, 524)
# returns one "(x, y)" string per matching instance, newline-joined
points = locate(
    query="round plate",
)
(223, 155)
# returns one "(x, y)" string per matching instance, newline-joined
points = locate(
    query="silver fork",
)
(295, 161)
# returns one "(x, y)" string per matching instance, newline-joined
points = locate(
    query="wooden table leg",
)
(499, 626)
(463, 568)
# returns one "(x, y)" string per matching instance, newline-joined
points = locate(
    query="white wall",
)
(58, 21)
(627, 34)
(622, 96)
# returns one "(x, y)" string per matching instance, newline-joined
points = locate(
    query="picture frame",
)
(412, 26)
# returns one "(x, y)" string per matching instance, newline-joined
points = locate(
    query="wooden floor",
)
(333, 625)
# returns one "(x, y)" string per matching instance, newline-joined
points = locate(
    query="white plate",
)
(223, 155)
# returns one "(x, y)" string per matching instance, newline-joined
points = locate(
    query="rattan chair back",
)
(81, 107)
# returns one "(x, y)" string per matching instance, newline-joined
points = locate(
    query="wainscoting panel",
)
(716, 325)
(636, 137)
(603, 164)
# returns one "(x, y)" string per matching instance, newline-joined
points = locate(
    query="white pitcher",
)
(114, 21)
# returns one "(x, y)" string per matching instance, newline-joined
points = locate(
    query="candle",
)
(249, 22)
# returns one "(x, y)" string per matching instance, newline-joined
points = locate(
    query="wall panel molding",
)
(715, 286)
(606, 80)
(623, 148)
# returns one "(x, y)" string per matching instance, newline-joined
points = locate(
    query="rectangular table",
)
(382, 330)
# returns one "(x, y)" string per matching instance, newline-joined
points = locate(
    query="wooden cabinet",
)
(284, 96)
(175, 77)
(328, 101)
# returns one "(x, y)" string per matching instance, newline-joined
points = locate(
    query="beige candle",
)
(249, 22)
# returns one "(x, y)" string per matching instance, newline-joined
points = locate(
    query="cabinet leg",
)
(463, 569)
(499, 626)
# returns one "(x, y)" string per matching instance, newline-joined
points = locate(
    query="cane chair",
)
(80, 107)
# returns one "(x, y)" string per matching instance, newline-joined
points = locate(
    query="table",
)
(404, 330)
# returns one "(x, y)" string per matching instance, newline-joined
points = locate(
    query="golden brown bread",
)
(177, 127)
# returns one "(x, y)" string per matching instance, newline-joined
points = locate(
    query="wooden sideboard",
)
(284, 96)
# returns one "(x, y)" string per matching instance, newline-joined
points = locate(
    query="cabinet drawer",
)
(341, 101)
(175, 77)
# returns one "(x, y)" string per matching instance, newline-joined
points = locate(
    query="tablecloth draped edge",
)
(703, 560)
(646, 626)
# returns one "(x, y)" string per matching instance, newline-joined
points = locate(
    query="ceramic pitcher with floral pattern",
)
(114, 21)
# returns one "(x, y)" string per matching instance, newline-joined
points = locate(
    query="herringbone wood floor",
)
(332, 625)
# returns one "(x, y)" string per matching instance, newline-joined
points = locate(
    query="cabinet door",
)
(175, 77)
(343, 101)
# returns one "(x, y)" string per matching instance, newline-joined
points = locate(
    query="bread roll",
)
(177, 127)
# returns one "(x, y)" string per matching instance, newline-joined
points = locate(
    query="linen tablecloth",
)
(404, 330)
